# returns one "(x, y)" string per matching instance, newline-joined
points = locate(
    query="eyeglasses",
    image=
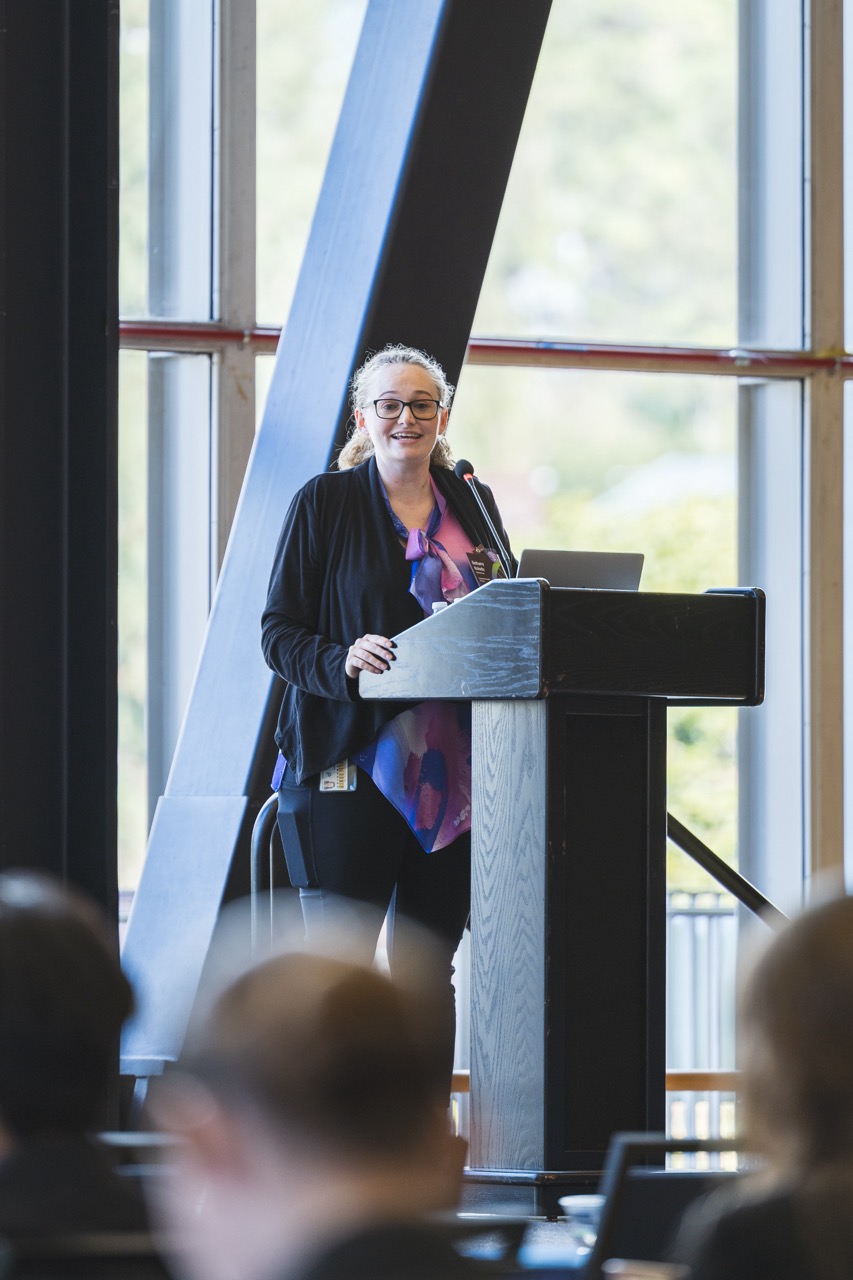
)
(421, 409)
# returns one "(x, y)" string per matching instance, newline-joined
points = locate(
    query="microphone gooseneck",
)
(465, 471)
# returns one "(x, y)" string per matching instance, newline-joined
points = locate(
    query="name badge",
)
(485, 565)
(339, 777)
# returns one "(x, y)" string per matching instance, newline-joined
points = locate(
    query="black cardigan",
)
(339, 573)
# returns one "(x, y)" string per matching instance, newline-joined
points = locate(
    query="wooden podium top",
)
(523, 639)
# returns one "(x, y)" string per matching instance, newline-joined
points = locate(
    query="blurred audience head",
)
(796, 1034)
(326, 1052)
(63, 999)
(311, 1101)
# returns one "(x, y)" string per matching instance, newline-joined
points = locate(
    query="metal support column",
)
(825, 438)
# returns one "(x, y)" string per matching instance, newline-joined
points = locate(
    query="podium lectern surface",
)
(524, 639)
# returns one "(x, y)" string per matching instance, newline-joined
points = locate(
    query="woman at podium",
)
(374, 796)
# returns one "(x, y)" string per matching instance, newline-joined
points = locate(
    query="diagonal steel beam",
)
(411, 196)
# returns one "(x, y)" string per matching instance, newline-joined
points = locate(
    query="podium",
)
(569, 690)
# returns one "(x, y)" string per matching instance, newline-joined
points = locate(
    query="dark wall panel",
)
(58, 408)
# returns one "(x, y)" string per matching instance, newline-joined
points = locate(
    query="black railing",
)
(732, 881)
(263, 837)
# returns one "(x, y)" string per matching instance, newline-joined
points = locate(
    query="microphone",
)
(465, 471)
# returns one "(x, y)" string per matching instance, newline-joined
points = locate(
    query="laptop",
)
(607, 570)
(643, 1206)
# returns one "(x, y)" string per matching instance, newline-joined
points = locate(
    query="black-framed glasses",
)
(422, 408)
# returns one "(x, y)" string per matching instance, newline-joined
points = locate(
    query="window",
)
(190, 120)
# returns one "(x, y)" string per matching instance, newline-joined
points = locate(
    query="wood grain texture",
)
(507, 914)
(519, 639)
(487, 645)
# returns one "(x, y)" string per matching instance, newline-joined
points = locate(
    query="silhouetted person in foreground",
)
(63, 999)
(794, 1220)
(311, 1112)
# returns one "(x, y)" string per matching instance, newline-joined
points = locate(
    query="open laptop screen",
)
(608, 570)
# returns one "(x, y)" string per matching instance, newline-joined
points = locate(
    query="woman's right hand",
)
(370, 653)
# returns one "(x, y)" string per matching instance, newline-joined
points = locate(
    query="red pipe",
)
(202, 335)
(591, 355)
(737, 362)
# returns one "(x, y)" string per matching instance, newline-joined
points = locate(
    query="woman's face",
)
(402, 441)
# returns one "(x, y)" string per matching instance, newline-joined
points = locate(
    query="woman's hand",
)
(369, 653)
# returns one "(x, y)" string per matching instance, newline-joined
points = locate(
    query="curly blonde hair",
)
(359, 447)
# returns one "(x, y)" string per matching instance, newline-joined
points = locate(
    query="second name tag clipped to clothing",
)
(339, 777)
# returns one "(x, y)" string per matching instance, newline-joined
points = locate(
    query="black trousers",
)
(355, 846)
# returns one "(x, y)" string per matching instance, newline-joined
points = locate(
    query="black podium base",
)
(523, 1192)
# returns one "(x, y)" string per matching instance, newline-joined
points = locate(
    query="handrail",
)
(725, 875)
(262, 830)
(714, 1081)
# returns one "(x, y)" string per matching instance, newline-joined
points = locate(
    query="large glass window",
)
(133, 158)
(133, 816)
(181, 166)
(166, 425)
(305, 52)
(183, 265)
(620, 219)
(628, 219)
(626, 462)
